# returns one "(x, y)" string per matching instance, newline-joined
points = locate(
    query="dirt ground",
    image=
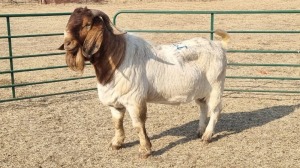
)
(255, 129)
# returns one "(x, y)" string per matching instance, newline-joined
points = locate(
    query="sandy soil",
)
(255, 130)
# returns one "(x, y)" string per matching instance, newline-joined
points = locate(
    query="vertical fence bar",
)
(11, 58)
(212, 19)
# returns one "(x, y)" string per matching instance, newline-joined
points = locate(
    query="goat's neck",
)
(109, 57)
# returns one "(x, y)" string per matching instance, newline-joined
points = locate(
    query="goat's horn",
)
(98, 13)
(107, 21)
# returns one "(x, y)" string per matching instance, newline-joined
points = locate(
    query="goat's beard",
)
(75, 62)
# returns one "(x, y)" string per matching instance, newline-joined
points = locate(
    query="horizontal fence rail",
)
(11, 57)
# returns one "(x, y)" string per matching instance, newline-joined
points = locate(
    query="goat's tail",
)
(225, 37)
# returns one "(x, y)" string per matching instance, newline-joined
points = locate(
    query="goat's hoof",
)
(144, 155)
(206, 142)
(207, 137)
(115, 147)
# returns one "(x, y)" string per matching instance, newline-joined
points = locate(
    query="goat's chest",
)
(125, 88)
(108, 96)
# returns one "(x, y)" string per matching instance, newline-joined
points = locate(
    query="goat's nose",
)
(67, 43)
(70, 44)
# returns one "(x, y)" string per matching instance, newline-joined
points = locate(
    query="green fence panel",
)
(212, 15)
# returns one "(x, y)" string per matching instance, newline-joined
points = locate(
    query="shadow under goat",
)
(131, 72)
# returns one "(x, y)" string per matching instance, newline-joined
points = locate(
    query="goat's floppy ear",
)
(92, 42)
(107, 22)
(62, 47)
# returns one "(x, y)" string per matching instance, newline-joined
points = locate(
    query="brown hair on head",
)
(90, 36)
(76, 20)
(74, 58)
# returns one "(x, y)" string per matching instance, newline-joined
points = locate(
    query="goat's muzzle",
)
(70, 45)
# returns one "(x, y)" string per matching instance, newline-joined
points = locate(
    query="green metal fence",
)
(212, 14)
(12, 57)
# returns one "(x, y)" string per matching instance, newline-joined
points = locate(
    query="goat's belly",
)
(174, 100)
(178, 87)
(179, 98)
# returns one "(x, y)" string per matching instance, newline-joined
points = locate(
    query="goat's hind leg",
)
(117, 117)
(214, 108)
(202, 116)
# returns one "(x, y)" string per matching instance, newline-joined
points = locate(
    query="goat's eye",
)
(88, 26)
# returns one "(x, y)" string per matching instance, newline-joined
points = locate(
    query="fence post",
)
(212, 19)
(12, 76)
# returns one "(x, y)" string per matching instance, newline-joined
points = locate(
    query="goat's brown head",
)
(83, 36)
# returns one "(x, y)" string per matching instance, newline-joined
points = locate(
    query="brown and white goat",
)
(131, 72)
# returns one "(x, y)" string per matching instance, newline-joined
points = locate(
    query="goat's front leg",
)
(117, 117)
(138, 114)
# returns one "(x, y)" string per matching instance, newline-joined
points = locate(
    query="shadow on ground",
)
(232, 123)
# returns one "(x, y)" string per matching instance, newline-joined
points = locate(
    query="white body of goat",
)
(168, 74)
